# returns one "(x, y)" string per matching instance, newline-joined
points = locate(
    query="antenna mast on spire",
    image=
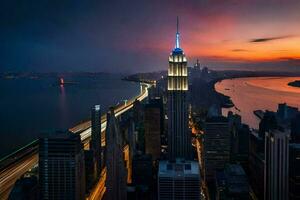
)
(177, 35)
(177, 25)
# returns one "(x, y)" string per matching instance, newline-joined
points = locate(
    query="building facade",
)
(153, 121)
(179, 139)
(276, 165)
(232, 183)
(256, 164)
(61, 166)
(95, 143)
(178, 180)
(216, 146)
(116, 172)
(294, 172)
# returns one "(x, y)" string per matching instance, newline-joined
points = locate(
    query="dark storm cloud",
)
(267, 39)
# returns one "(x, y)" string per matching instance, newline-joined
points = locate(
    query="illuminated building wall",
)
(177, 72)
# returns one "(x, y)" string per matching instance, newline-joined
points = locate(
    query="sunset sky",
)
(138, 35)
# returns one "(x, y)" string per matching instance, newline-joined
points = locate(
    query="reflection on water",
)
(63, 106)
(31, 106)
(249, 94)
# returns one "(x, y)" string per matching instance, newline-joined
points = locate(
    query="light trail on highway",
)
(13, 172)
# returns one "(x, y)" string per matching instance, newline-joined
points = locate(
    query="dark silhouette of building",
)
(142, 171)
(216, 145)
(138, 111)
(90, 168)
(256, 164)
(25, 188)
(294, 172)
(268, 122)
(276, 165)
(179, 138)
(232, 183)
(95, 143)
(295, 129)
(116, 172)
(285, 112)
(61, 166)
(138, 119)
(153, 123)
(239, 139)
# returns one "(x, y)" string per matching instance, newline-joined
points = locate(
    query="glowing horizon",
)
(138, 36)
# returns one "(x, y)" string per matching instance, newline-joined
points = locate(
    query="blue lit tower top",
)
(177, 73)
(177, 48)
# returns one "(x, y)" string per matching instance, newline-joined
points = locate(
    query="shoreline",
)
(228, 103)
(86, 123)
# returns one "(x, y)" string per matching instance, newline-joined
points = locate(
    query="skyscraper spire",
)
(177, 25)
(177, 35)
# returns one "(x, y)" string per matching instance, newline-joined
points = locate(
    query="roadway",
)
(14, 171)
(99, 189)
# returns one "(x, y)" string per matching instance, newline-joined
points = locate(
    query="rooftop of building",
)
(217, 119)
(177, 51)
(235, 169)
(59, 134)
(255, 134)
(233, 178)
(295, 145)
(279, 133)
(178, 168)
(154, 103)
(23, 186)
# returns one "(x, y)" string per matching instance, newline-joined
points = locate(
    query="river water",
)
(29, 106)
(264, 93)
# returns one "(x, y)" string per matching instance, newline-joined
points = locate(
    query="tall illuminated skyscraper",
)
(179, 142)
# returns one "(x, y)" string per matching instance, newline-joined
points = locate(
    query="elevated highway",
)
(13, 166)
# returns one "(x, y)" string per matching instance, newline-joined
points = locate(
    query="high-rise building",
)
(256, 163)
(239, 139)
(276, 165)
(178, 180)
(179, 139)
(285, 112)
(90, 169)
(294, 172)
(232, 183)
(216, 145)
(153, 123)
(142, 170)
(116, 172)
(61, 166)
(25, 188)
(95, 143)
(138, 119)
(295, 129)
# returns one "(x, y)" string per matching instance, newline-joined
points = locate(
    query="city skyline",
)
(98, 36)
(184, 130)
